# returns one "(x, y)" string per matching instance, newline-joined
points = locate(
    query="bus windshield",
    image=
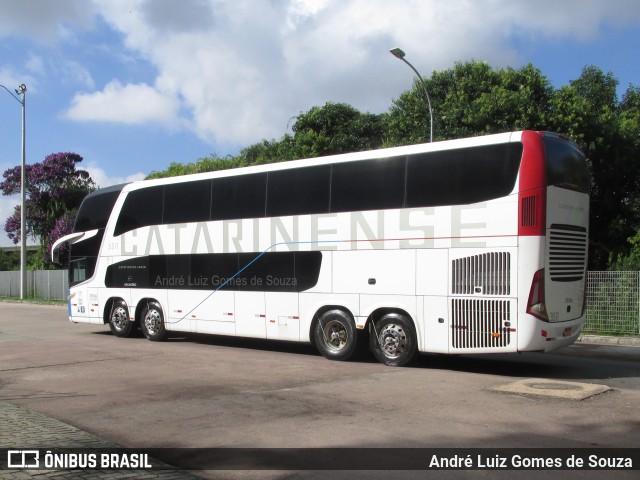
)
(93, 214)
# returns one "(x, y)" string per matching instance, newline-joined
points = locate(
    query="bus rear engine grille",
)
(567, 253)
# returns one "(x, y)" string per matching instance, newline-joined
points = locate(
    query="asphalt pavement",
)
(23, 428)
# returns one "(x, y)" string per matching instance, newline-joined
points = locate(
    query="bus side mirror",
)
(72, 238)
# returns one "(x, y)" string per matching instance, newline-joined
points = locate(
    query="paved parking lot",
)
(205, 391)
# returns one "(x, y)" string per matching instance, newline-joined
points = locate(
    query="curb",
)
(608, 340)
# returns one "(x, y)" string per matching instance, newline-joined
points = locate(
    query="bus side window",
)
(368, 185)
(300, 191)
(239, 197)
(141, 208)
(187, 202)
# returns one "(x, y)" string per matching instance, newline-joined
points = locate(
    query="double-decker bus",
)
(475, 245)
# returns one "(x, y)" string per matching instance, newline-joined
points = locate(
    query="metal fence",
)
(613, 298)
(613, 303)
(47, 284)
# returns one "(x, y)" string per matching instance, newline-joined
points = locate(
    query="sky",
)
(133, 85)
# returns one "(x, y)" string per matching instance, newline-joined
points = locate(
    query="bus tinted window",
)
(78, 271)
(271, 272)
(95, 210)
(299, 191)
(187, 202)
(368, 185)
(141, 208)
(239, 197)
(566, 165)
(462, 176)
(452, 177)
(82, 258)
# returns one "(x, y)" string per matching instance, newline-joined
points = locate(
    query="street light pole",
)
(398, 53)
(22, 90)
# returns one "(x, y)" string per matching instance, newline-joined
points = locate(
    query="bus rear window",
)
(566, 165)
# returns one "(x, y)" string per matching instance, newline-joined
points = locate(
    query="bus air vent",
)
(567, 253)
(528, 218)
(480, 323)
(487, 274)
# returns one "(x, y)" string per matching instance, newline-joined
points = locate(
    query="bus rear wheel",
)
(119, 320)
(335, 335)
(393, 340)
(152, 322)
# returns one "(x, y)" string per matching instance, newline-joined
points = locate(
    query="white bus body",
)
(468, 246)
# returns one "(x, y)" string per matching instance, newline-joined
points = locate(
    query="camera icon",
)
(23, 459)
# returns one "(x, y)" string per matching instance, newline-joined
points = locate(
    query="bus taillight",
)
(536, 304)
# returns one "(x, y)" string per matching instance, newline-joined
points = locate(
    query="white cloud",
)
(103, 180)
(128, 104)
(237, 70)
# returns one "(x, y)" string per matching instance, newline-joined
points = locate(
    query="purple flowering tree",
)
(55, 188)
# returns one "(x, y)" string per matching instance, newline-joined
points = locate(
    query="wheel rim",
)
(393, 340)
(119, 319)
(152, 321)
(335, 335)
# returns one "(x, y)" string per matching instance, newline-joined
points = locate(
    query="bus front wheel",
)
(335, 335)
(119, 320)
(152, 322)
(393, 340)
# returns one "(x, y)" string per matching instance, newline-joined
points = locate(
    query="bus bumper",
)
(551, 336)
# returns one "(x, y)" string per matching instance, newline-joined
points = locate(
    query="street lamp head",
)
(21, 90)
(397, 52)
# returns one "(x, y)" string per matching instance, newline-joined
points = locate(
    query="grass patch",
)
(35, 301)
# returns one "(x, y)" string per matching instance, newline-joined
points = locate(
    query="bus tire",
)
(393, 340)
(119, 320)
(335, 335)
(152, 322)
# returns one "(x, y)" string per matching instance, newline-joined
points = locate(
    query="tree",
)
(9, 260)
(270, 151)
(336, 128)
(55, 187)
(328, 130)
(631, 260)
(207, 164)
(468, 100)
